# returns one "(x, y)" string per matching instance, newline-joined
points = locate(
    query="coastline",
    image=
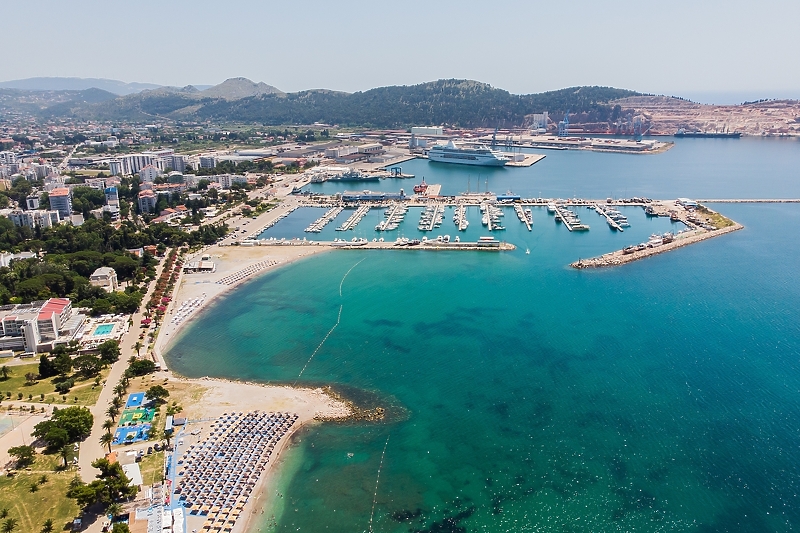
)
(218, 396)
(229, 261)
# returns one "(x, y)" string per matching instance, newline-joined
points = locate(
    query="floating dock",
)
(324, 220)
(611, 222)
(354, 219)
(523, 217)
(460, 218)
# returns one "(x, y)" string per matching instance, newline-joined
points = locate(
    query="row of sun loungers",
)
(216, 477)
(187, 308)
(247, 272)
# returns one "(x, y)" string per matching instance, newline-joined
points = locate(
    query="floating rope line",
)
(345, 275)
(338, 320)
(377, 480)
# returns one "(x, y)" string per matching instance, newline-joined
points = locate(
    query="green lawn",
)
(31, 509)
(152, 467)
(84, 389)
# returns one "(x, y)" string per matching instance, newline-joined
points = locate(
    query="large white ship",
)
(474, 154)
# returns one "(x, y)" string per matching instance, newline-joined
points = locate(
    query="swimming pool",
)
(103, 329)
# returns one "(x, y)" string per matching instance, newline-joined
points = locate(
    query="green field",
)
(85, 389)
(31, 509)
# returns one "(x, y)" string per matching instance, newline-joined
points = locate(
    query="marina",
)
(689, 214)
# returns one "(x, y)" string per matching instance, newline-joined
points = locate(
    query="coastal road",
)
(91, 448)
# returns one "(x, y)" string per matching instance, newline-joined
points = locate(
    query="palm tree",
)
(9, 525)
(116, 402)
(108, 425)
(112, 412)
(4, 512)
(47, 527)
(114, 509)
(106, 439)
(5, 371)
(119, 389)
(138, 346)
(64, 453)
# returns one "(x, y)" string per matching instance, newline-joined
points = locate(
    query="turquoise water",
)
(103, 329)
(526, 396)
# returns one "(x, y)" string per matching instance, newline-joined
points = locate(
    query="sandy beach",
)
(206, 399)
(234, 266)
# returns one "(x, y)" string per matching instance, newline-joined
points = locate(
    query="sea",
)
(525, 396)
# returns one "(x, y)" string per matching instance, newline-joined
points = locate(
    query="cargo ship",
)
(708, 134)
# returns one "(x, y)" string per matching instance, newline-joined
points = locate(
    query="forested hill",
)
(450, 102)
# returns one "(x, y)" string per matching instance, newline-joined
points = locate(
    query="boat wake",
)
(338, 320)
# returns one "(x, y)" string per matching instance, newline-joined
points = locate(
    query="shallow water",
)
(527, 396)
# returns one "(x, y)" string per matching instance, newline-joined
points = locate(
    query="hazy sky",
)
(669, 47)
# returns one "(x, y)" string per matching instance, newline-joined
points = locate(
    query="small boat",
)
(527, 251)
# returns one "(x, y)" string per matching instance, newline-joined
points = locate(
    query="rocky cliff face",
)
(666, 115)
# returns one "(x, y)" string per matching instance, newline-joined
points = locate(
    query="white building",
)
(34, 219)
(539, 122)
(105, 277)
(61, 201)
(115, 167)
(133, 163)
(32, 201)
(8, 158)
(6, 258)
(147, 201)
(149, 173)
(112, 196)
(370, 148)
(226, 180)
(427, 130)
(30, 326)
(208, 161)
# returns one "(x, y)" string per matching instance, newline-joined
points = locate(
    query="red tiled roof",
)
(53, 305)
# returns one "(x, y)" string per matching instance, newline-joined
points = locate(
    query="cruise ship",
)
(475, 154)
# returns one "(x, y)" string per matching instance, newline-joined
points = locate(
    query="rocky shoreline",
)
(618, 258)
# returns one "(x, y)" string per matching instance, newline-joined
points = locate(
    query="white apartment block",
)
(28, 326)
(8, 158)
(35, 219)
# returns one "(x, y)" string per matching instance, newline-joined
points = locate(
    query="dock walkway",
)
(324, 220)
(354, 219)
(611, 222)
(560, 216)
(522, 217)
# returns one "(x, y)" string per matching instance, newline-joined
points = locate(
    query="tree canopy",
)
(65, 426)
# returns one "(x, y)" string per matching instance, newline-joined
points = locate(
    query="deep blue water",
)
(526, 396)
